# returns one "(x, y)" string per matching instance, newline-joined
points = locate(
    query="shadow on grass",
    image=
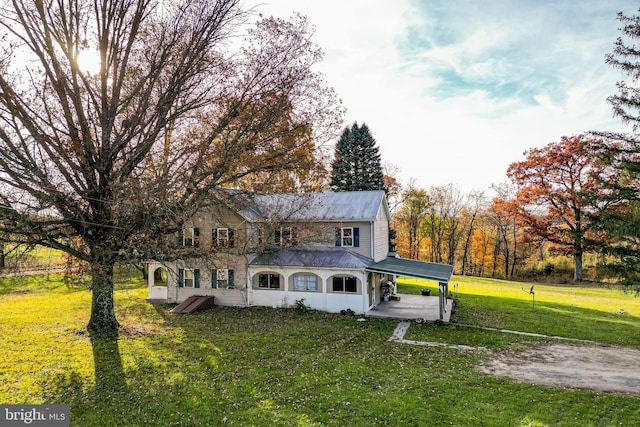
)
(251, 366)
(261, 366)
(107, 364)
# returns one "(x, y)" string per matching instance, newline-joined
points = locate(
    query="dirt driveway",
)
(613, 369)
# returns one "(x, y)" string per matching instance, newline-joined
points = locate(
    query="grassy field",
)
(260, 366)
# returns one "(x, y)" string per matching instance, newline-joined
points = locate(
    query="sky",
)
(453, 91)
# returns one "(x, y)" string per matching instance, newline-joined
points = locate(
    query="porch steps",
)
(193, 303)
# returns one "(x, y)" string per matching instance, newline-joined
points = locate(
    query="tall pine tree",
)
(619, 228)
(357, 166)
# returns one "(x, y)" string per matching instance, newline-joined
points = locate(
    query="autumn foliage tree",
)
(410, 221)
(118, 159)
(560, 192)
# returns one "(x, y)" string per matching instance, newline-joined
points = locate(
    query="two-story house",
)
(330, 249)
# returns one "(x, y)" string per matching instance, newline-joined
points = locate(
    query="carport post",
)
(442, 298)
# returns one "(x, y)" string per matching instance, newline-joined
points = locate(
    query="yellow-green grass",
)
(38, 258)
(263, 366)
(604, 314)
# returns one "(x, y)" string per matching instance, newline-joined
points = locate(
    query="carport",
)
(413, 308)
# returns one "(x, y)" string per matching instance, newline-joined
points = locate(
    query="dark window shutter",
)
(231, 241)
(338, 236)
(356, 237)
(196, 237)
(181, 238)
(214, 237)
(231, 279)
(196, 278)
(214, 279)
(181, 277)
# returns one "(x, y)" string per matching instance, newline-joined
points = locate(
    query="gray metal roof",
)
(317, 257)
(408, 267)
(326, 206)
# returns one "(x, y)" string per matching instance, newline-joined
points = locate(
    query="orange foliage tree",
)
(560, 192)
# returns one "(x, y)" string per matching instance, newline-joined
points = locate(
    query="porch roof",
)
(440, 273)
(316, 257)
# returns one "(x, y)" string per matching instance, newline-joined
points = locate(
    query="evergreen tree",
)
(619, 238)
(357, 165)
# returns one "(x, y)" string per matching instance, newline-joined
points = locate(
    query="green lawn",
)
(260, 366)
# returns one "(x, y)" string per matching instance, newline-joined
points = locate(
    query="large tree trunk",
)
(577, 258)
(103, 318)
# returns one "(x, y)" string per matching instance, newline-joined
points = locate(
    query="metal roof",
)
(316, 257)
(325, 206)
(408, 267)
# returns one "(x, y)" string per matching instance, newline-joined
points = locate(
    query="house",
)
(329, 248)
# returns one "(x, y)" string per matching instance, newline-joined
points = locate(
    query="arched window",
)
(269, 281)
(345, 284)
(305, 282)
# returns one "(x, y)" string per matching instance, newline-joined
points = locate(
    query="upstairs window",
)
(190, 237)
(348, 237)
(284, 236)
(222, 237)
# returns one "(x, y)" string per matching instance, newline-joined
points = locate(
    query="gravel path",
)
(590, 366)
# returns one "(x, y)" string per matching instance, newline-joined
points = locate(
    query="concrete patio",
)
(411, 307)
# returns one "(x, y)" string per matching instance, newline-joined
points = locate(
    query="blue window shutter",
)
(356, 237)
(196, 278)
(230, 279)
(181, 277)
(338, 236)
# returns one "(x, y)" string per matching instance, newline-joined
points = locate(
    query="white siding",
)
(381, 233)
(324, 299)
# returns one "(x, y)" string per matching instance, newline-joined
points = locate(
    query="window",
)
(269, 281)
(222, 237)
(222, 278)
(190, 236)
(305, 282)
(348, 237)
(345, 284)
(188, 278)
(284, 236)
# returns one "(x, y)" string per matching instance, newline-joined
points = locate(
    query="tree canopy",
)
(106, 165)
(357, 163)
(560, 191)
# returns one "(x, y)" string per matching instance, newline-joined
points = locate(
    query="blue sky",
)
(456, 90)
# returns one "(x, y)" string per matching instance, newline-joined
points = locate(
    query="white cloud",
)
(456, 91)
